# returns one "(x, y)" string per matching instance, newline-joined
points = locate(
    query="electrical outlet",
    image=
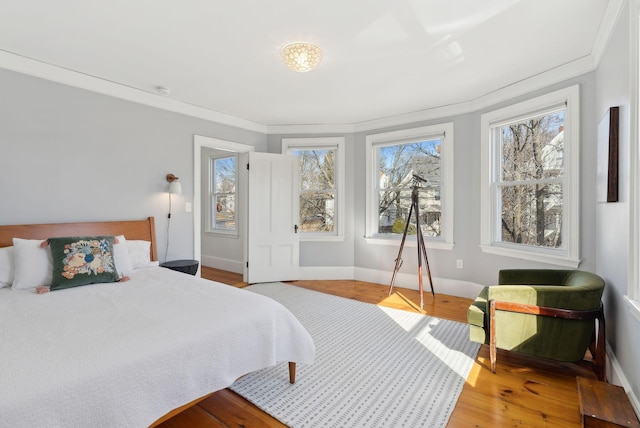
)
(459, 263)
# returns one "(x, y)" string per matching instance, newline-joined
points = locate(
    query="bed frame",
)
(132, 229)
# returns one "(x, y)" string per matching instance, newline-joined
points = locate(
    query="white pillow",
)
(121, 256)
(6, 266)
(33, 265)
(139, 253)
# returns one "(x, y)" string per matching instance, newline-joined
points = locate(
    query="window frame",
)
(372, 141)
(211, 192)
(633, 275)
(569, 254)
(323, 143)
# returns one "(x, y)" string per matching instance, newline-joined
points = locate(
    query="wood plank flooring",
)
(524, 392)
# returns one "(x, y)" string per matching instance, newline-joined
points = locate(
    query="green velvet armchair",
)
(545, 313)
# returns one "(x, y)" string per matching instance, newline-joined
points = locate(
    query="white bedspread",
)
(125, 354)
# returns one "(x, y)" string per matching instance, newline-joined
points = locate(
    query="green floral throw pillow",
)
(82, 260)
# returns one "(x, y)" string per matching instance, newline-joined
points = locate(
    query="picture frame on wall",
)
(607, 171)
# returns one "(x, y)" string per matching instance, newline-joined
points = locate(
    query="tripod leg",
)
(399, 258)
(420, 245)
(426, 261)
(420, 286)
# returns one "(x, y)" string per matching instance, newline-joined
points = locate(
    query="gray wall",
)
(68, 154)
(480, 267)
(613, 231)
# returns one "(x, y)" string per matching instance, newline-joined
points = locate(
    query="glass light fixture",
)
(301, 56)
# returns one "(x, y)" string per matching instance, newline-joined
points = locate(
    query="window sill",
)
(220, 234)
(409, 242)
(634, 307)
(534, 256)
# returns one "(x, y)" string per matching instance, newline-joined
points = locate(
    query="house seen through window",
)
(530, 189)
(398, 164)
(530, 185)
(223, 194)
(321, 185)
(317, 189)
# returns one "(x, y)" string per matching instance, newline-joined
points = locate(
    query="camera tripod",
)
(422, 252)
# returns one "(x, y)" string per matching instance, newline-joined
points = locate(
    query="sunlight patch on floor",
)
(398, 298)
(424, 330)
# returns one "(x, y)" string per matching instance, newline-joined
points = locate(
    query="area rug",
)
(375, 366)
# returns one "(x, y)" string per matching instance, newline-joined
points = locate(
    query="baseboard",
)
(234, 266)
(616, 376)
(452, 287)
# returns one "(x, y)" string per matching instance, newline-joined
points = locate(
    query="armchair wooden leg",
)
(492, 334)
(600, 357)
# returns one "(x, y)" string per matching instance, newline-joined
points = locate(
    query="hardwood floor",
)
(222, 276)
(524, 392)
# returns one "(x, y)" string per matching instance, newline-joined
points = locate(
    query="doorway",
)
(202, 145)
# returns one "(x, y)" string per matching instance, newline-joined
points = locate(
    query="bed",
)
(126, 353)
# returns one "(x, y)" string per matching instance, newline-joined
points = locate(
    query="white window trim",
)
(212, 230)
(199, 142)
(445, 240)
(290, 144)
(633, 289)
(568, 256)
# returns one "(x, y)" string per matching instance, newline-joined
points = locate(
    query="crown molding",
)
(542, 80)
(31, 67)
(609, 20)
(311, 129)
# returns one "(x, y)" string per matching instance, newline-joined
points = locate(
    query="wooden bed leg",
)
(292, 372)
(492, 335)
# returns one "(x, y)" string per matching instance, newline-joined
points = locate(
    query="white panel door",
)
(273, 239)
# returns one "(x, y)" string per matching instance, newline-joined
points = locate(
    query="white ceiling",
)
(382, 58)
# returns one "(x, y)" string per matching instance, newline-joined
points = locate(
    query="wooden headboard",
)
(131, 229)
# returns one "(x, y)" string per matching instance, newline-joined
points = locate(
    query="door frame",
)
(200, 141)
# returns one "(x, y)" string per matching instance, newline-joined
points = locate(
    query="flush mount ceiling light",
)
(301, 56)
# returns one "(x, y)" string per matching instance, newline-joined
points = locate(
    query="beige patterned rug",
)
(375, 366)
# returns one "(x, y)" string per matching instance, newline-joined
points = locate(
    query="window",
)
(222, 194)
(530, 168)
(321, 185)
(399, 162)
(633, 294)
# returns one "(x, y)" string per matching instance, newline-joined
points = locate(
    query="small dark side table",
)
(185, 266)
